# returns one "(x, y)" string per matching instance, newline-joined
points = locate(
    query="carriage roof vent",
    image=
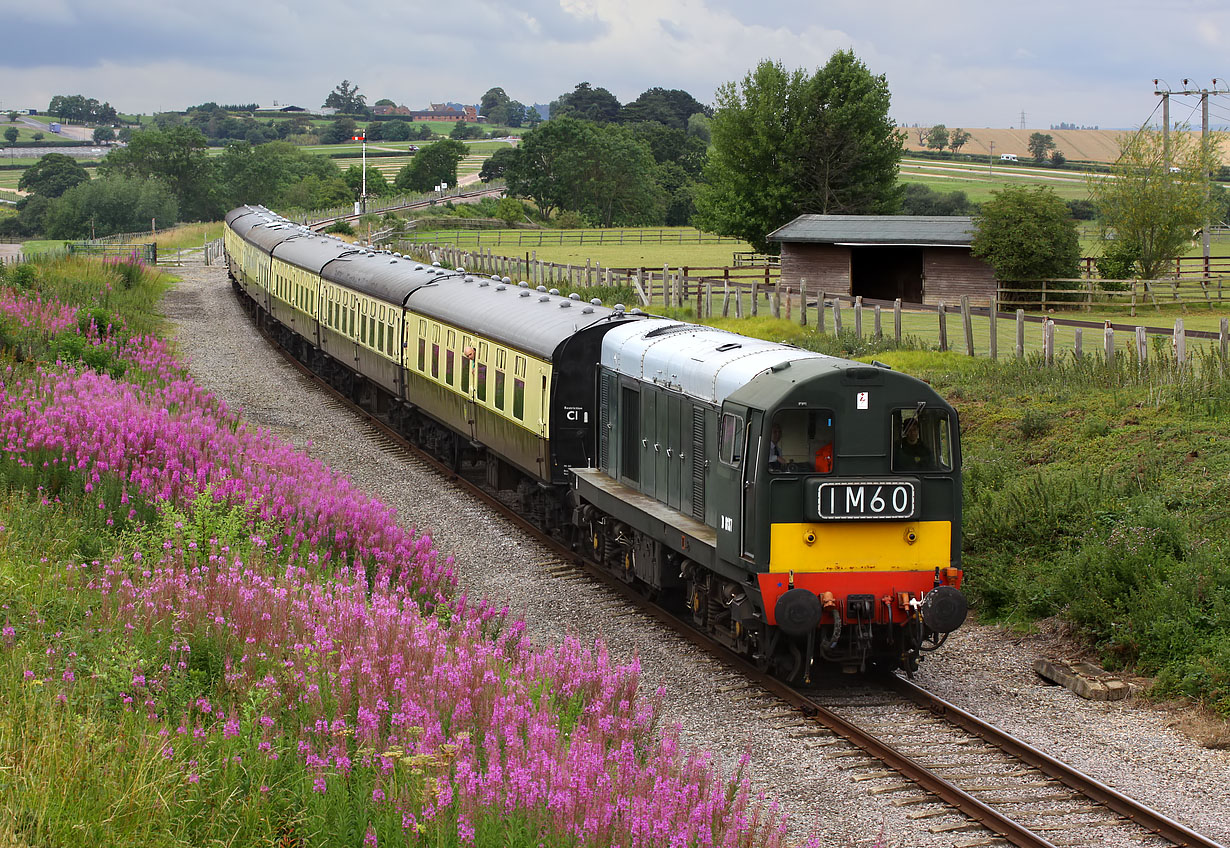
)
(565, 304)
(544, 298)
(554, 292)
(500, 287)
(587, 310)
(595, 301)
(619, 307)
(460, 270)
(482, 284)
(505, 280)
(542, 289)
(574, 296)
(523, 285)
(435, 264)
(525, 293)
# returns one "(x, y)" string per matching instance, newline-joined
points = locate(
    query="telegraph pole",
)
(1204, 138)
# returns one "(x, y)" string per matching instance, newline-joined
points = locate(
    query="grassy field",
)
(653, 254)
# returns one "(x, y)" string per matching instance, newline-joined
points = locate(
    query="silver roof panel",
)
(702, 362)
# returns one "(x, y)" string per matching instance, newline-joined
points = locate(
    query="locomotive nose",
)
(944, 609)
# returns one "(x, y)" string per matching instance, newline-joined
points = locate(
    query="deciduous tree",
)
(786, 143)
(179, 157)
(1148, 211)
(431, 166)
(957, 139)
(1027, 235)
(345, 98)
(10, 133)
(111, 204)
(52, 175)
(937, 138)
(1040, 144)
(586, 103)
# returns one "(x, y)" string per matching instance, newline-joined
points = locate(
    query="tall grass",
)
(209, 638)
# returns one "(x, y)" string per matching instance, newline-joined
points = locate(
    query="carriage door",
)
(753, 459)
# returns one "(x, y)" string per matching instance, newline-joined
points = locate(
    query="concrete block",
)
(1085, 679)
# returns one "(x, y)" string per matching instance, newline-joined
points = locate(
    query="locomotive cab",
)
(849, 514)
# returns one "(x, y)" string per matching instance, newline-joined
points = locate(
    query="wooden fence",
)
(1087, 294)
(543, 237)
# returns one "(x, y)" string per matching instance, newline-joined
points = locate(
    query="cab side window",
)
(730, 441)
(801, 442)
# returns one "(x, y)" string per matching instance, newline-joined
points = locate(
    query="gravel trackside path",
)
(987, 671)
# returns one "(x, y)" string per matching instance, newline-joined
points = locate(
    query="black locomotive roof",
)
(530, 320)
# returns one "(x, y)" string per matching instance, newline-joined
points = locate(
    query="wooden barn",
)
(920, 259)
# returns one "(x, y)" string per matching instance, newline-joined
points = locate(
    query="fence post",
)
(879, 329)
(1077, 345)
(942, 311)
(708, 299)
(1223, 336)
(726, 298)
(858, 316)
(1048, 342)
(994, 338)
(666, 270)
(837, 315)
(1180, 345)
(739, 302)
(755, 293)
(1142, 347)
(802, 301)
(967, 325)
(789, 305)
(1020, 334)
(897, 320)
(820, 311)
(777, 303)
(1109, 343)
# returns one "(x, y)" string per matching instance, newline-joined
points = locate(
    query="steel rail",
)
(1091, 788)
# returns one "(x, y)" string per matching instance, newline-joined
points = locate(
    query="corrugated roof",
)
(957, 231)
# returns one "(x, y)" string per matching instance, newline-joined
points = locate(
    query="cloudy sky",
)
(969, 64)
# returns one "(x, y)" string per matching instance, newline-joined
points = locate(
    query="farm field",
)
(1084, 145)
(675, 246)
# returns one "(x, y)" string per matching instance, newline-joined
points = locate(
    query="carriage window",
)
(922, 440)
(381, 344)
(422, 355)
(730, 444)
(519, 399)
(499, 390)
(801, 441)
(435, 361)
(465, 376)
(480, 378)
(448, 367)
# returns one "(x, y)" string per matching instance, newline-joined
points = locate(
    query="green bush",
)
(340, 227)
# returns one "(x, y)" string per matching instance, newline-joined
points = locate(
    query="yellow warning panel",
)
(860, 546)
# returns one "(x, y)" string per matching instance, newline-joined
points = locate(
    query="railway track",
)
(902, 742)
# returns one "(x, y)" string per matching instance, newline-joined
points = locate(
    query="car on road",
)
(413, 148)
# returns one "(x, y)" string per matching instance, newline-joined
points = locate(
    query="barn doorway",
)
(887, 273)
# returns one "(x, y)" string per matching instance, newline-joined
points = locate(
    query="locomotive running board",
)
(694, 539)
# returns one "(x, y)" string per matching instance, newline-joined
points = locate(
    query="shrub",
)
(340, 227)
